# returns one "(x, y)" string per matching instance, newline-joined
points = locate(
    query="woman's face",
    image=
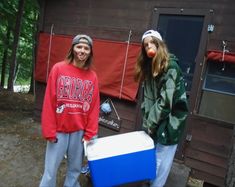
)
(150, 47)
(81, 51)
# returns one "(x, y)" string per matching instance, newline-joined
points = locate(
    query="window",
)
(220, 77)
(217, 101)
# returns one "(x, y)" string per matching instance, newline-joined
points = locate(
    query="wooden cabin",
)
(199, 33)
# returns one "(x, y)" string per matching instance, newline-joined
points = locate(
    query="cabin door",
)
(185, 33)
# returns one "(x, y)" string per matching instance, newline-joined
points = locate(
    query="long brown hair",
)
(151, 67)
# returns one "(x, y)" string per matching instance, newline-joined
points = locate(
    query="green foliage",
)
(8, 11)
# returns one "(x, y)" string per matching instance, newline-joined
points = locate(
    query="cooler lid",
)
(119, 144)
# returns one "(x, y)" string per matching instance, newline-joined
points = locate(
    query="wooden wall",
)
(207, 152)
(128, 112)
(113, 19)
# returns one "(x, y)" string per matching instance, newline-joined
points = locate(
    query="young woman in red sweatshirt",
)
(70, 112)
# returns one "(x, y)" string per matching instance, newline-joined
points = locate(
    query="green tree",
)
(17, 53)
(7, 17)
(13, 61)
(4, 57)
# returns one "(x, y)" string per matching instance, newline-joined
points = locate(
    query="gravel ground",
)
(22, 148)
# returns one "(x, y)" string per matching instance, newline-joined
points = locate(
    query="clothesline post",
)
(125, 62)
(49, 51)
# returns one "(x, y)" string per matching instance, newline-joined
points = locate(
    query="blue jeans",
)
(69, 144)
(165, 156)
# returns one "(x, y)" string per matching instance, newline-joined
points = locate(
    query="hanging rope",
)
(224, 43)
(114, 109)
(49, 51)
(224, 49)
(125, 62)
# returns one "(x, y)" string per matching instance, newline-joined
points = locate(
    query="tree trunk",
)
(230, 177)
(32, 85)
(34, 51)
(4, 58)
(13, 61)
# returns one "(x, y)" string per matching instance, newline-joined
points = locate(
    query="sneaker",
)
(85, 169)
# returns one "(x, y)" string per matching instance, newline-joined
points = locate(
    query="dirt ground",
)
(22, 148)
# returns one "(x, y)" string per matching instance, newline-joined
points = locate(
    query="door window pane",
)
(182, 34)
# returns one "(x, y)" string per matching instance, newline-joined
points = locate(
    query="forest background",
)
(18, 36)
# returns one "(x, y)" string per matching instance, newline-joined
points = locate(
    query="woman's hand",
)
(150, 131)
(53, 140)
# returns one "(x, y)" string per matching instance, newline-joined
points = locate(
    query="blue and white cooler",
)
(121, 159)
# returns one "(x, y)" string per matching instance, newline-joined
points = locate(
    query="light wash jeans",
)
(165, 156)
(69, 144)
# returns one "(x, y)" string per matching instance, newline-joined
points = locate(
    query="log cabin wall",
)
(207, 142)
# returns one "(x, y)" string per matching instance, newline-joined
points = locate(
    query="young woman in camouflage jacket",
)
(164, 106)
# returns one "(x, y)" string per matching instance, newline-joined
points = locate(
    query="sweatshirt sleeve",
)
(49, 107)
(92, 123)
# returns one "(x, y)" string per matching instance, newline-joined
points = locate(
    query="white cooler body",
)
(121, 159)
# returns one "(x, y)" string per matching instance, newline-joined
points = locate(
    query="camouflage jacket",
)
(165, 105)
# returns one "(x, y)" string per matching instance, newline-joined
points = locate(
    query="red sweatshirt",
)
(71, 101)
